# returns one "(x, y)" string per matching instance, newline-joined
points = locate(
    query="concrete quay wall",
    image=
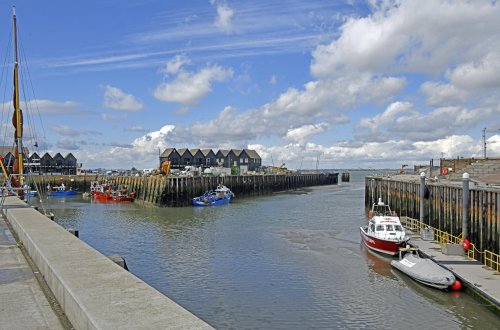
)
(93, 291)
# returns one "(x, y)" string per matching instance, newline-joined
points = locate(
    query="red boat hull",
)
(380, 245)
(100, 195)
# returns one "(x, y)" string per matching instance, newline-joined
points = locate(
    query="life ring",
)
(444, 171)
(466, 244)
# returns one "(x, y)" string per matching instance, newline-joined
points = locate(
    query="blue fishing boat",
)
(220, 196)
(61, 191)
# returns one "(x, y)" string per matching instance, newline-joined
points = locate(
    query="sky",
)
(313, 83)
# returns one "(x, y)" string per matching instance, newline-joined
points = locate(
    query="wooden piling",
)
(443, 207)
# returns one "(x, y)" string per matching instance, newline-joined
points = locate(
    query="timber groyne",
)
(179, 190)
(442, 206)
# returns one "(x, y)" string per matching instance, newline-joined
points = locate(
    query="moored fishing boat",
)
(61, 191)
(384, 232)
(105, 192)
(220, 196)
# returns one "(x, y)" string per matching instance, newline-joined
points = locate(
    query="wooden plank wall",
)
(443, 207)
(179, 191)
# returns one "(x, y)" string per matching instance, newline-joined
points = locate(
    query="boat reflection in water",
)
(380, 264)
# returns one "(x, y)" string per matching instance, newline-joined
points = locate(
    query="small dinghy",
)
(423, 270)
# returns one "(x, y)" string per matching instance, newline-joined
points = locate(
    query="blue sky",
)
(370, 84)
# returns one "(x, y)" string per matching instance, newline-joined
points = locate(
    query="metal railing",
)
(490, 260)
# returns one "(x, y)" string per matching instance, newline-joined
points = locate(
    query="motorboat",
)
(384, 232)
(424, 270)
(106, 192)
(61, 191)
(220, 196)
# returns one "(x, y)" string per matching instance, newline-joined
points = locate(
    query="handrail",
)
(490, 260)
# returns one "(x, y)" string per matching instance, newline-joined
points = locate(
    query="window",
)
(398, 228)
(389, 227)
(380, 227)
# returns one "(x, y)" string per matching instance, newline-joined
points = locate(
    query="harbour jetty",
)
(91, 290)
(442, 205)
(454, 223)
(164, 190)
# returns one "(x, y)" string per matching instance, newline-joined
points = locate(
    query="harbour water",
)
(285, 261)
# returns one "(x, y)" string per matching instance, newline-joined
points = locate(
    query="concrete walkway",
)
(471, 273)
(93, 291)
(23, 304)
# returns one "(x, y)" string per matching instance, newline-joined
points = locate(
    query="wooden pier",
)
(179, 190)
(442, 206)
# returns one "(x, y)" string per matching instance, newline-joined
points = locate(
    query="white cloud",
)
(273, 80)
(449, 48)
(224, 17)
(47, 107)
(440, 94)
(301, 134)
(188, 88)
(113, 118)
(116, 99)
(67, 144)
(479, 74)
(174, 65)
(422, 36)
(68, 131)
(401, 121)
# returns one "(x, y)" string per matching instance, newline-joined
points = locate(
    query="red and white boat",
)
(105, 192)
(384, 232)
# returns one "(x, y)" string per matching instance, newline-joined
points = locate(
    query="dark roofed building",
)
(170, 154)
(186, 156)
(42, 165)
(222, 159)
(246, 159)
(70, 164)
(198, 157)
(209, 155)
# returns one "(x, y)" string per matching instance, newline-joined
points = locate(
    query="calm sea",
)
(284, 261)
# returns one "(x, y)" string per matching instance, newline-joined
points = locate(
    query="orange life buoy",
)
(444, 171)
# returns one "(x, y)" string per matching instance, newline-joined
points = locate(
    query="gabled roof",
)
(183, 151)
(47, 155)
(69, 155)
(205, 152)
(167, 152)
(224, 152)
(236, 152)
(252, 154)
(193, 151)
(58, 155)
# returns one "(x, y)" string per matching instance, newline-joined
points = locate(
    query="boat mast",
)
(17, 119)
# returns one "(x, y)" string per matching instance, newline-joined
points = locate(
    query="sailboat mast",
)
(18, 117)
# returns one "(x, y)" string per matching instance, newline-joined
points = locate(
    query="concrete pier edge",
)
(92, 290)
